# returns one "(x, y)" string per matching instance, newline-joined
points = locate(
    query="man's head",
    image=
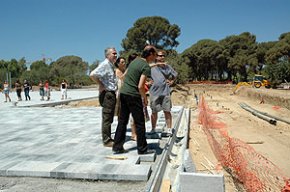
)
(160, 56)
(111, 54)
(149, 53)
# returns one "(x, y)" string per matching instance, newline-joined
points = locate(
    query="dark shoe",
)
(120, 151)
(109, 144)
(134, 138)
(152, 132)
(147, 152)
(166, 134)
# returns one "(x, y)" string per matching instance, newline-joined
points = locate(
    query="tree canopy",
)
(153, 30)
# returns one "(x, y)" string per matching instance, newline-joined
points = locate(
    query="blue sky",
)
(54, 28)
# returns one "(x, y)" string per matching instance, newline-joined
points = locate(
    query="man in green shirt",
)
(132, 96)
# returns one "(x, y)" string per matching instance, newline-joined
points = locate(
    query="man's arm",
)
(157, 64)
(141, 88)
(173, 74)
(95, 78)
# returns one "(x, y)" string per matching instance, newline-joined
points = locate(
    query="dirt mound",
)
(270, 96)
(85, 103)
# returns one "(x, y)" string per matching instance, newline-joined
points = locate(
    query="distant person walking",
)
(6, 90)
(63, 89)
(27, 88)
(47, 90)
(18, 90)
(41, 90)
(105, 76)
(163, 77)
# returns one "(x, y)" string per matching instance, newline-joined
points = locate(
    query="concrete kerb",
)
(174, 161)
(62, 102)
(155, 181)
(186, 179)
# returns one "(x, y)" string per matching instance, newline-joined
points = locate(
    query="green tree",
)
(261, 51)
(71, 68)
(154, 30)
(240, 53)
(3, 70)
(277, 59)
(280, 49)
(16, 67)
(178, 64)
(94, 65)
(205, 60)
(39, 71)
(278, 72)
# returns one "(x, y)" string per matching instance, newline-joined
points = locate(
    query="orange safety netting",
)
(253, 170)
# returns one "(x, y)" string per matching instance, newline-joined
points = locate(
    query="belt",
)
(114, 92)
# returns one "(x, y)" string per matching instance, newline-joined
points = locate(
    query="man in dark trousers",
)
(131, 95)
(105, 76)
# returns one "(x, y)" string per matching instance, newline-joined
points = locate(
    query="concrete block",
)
(199, 182)
(98, 171)
(148, 157)
(188, 164)
(77, 171)
(4, 165)
(32, 169)
(126, 172)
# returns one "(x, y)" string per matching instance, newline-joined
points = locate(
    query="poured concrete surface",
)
(66, 143)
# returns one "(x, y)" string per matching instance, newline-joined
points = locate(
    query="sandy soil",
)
(271, 141)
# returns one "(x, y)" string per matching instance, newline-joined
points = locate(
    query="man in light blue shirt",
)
(163, 77)
(105, 76)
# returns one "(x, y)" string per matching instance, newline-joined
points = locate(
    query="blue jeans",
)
(26, 93)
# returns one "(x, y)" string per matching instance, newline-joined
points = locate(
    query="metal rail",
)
(155, 181)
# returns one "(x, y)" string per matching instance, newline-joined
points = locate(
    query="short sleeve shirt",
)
(132, 77)
(159, 76)
(106, 74)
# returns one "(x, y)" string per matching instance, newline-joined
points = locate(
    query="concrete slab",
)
(65, 142)
(200, 182)
(32, 169)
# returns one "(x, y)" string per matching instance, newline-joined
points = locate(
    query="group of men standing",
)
(133, 96)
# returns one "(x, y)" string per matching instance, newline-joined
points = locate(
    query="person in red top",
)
(47, 90)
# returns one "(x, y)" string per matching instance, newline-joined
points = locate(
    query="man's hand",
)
(169, 82)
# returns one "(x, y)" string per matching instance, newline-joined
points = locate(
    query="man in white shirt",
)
(105, 76)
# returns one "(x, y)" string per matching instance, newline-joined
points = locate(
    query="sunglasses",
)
(161, 55)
